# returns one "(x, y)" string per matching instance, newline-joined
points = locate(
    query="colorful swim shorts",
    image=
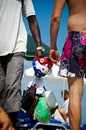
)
(73, 59)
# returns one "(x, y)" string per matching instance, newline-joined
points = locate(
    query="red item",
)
(44, 60)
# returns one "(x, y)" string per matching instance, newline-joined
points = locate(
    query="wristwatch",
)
(40, 48)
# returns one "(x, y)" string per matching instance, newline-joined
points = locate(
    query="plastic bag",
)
(51, 100)
(42, 112)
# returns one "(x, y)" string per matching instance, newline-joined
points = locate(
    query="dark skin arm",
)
(34, 27)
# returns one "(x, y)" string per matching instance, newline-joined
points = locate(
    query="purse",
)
(29, 100)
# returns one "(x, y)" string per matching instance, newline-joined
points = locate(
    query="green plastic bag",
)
(42, 112)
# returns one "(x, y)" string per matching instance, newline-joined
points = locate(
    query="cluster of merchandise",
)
(37, 102)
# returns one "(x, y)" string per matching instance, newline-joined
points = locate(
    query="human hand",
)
(5, 122)
(54, 56)
(40, 53)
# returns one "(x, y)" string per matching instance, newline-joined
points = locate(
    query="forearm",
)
(34, 27)
(54, 28)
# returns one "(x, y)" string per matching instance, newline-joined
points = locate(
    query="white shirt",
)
(65, 105)
(13, 35)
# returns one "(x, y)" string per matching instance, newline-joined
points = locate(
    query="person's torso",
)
(10, 14)
(13, 35)
(77, 15)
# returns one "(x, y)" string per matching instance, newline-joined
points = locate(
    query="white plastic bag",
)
(39, 85)
(51, 100)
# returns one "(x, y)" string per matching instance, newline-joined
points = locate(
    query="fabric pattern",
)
(73, 59)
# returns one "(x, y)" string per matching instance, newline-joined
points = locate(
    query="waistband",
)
(72, 33)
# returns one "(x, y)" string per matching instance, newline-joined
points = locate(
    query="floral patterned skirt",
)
(73, 59)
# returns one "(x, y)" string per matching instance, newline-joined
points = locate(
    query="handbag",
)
(29, 100)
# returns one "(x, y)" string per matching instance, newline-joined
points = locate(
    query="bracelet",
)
(40, 48)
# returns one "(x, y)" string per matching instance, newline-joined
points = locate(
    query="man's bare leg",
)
(75, 96)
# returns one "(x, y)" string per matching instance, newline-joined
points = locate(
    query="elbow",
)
(55, 19)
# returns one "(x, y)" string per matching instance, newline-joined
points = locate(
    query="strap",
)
(22, 3)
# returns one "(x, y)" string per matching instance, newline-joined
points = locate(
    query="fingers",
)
(54, 56)
(5, 122)
(40, 53)
(7, 125)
